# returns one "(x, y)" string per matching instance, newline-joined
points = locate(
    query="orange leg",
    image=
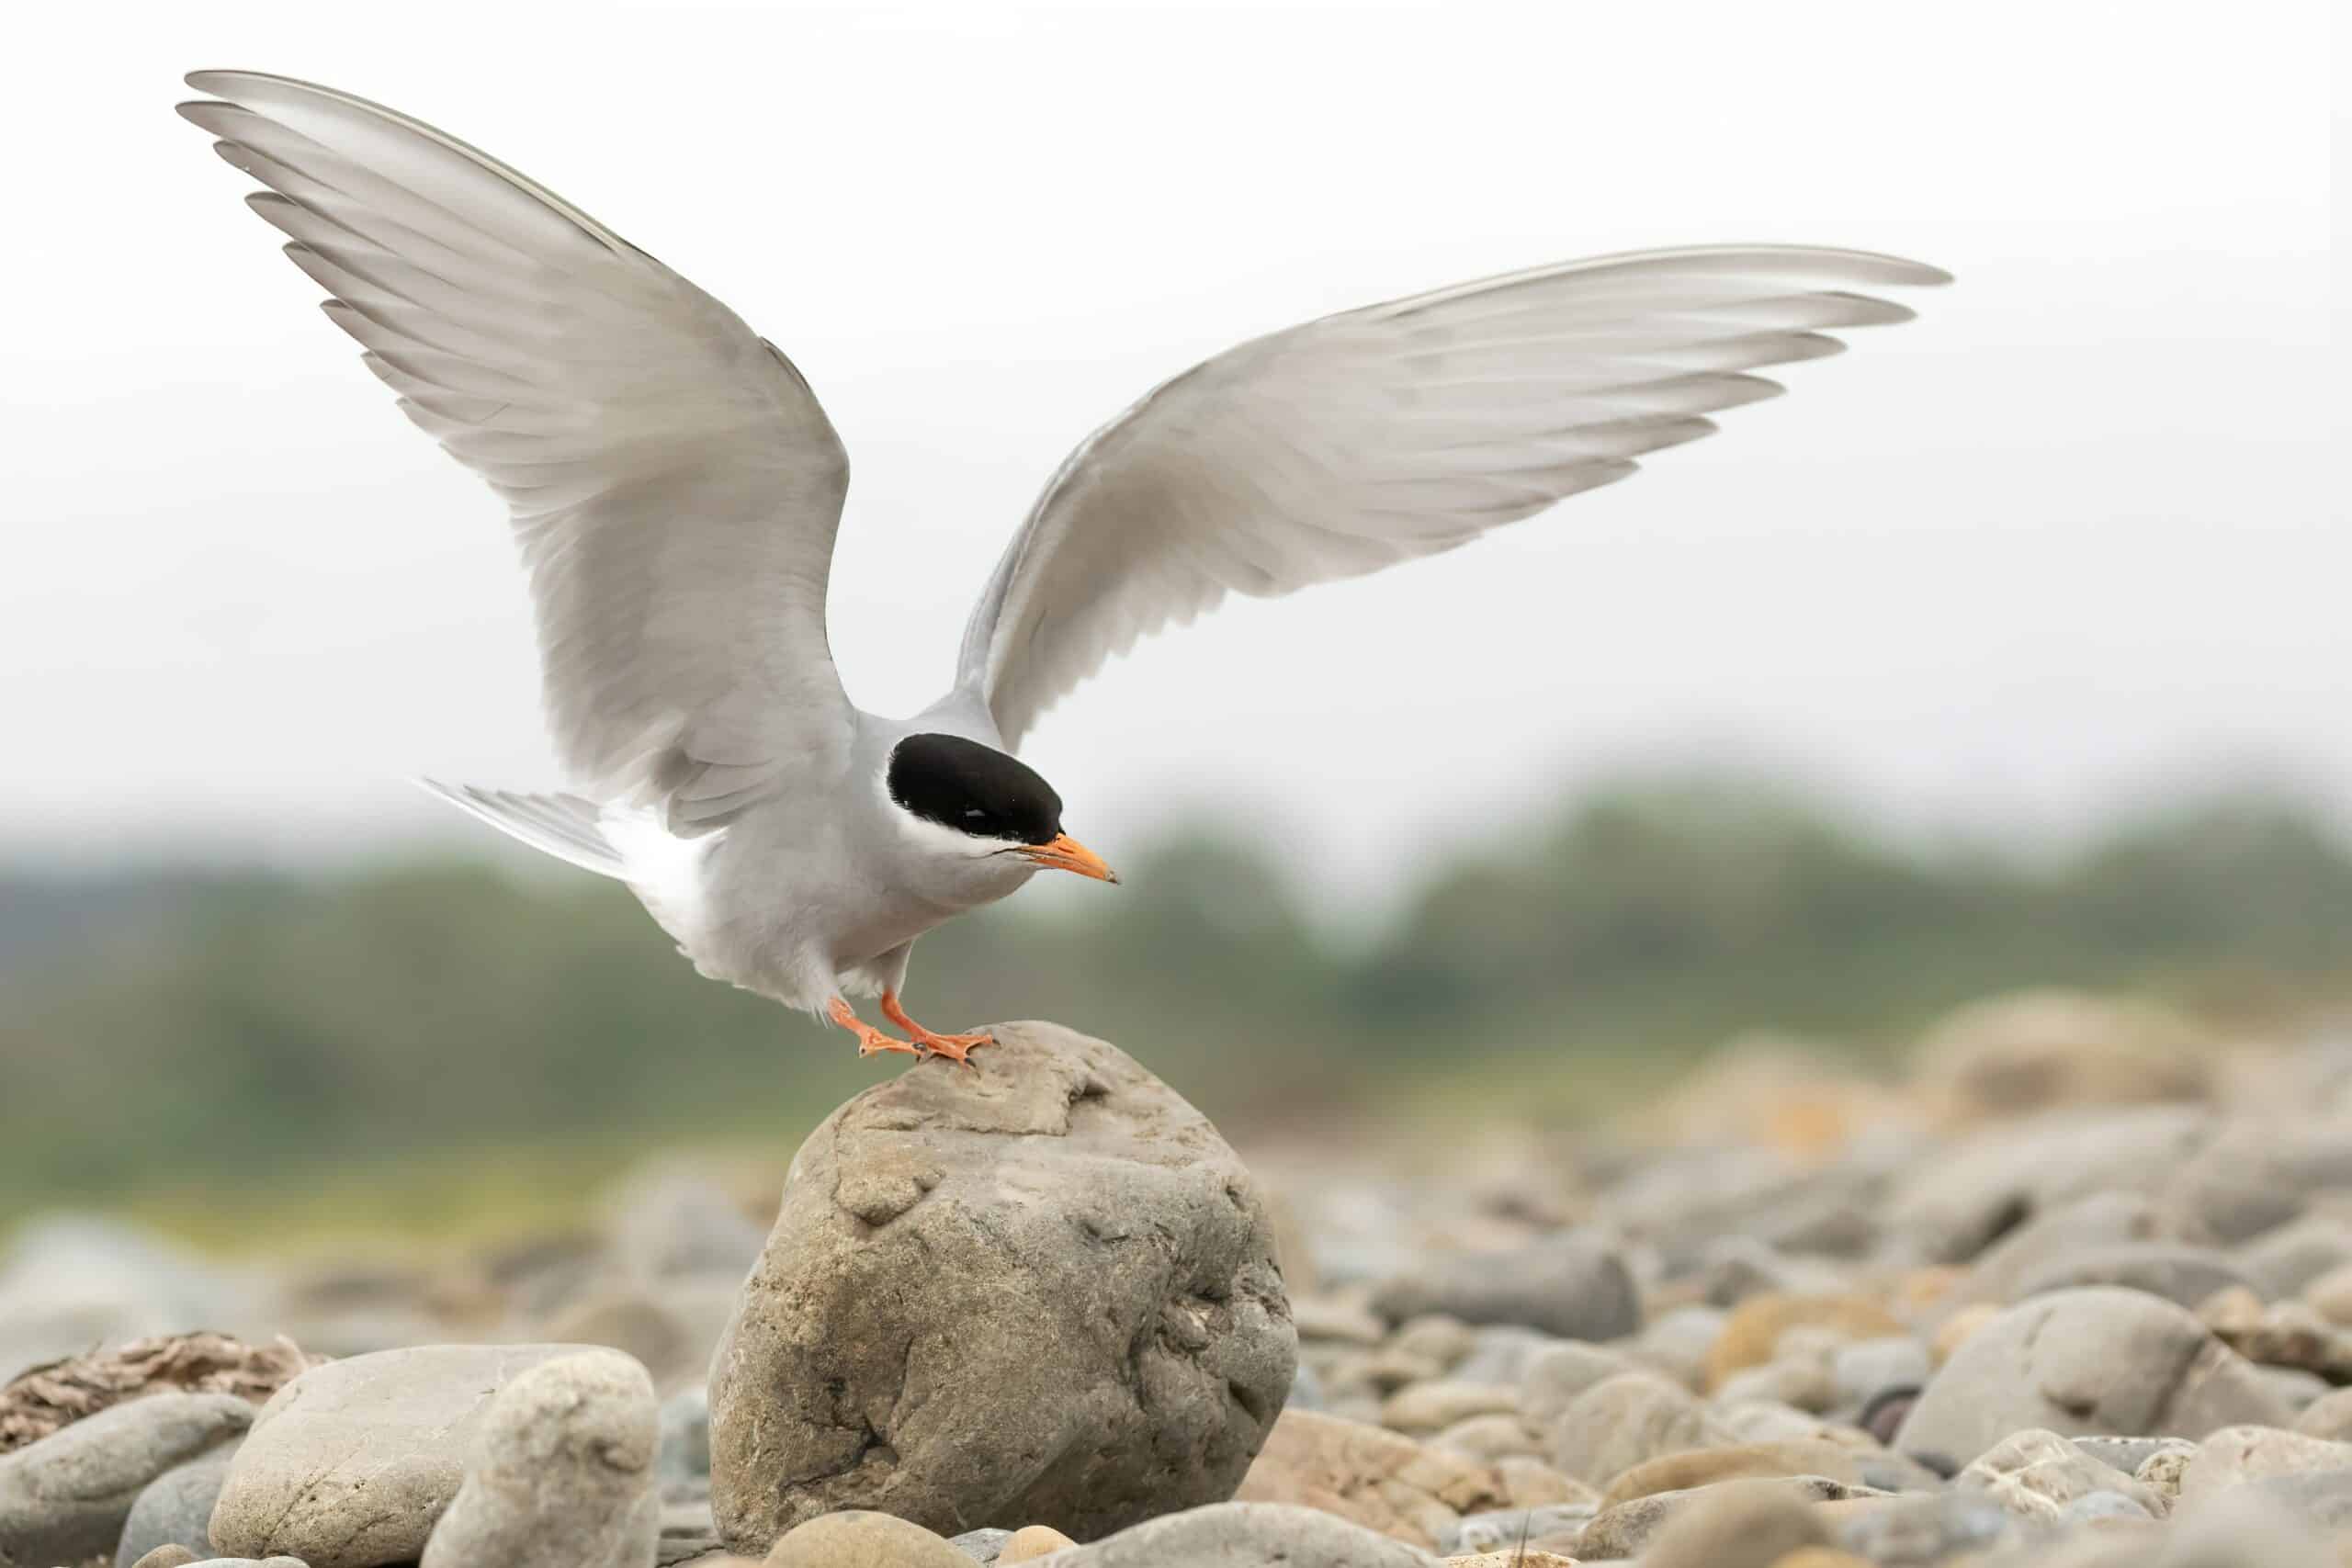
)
(954, 1047)
(870, 1040)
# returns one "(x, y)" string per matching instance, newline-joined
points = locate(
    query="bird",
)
(675, 488)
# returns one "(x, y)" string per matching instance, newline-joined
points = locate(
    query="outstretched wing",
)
(673, 484)
(1349, 443)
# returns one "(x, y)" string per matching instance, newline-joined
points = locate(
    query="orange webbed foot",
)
(871, 1042)
(954, 1047)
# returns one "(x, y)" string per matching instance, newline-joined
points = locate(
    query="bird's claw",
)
(956, 1048)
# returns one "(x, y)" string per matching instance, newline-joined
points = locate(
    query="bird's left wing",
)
(672, 481)
(1363, 439)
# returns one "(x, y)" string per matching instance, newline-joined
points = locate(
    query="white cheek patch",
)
(936, 840)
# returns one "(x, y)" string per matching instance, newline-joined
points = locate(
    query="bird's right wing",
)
(1349, 443)
(672, 482)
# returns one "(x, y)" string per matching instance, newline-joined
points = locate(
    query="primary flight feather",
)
(675, 488)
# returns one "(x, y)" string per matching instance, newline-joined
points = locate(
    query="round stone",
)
(1041, 1290)
(858, 1539)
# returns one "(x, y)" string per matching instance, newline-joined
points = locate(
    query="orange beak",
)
(1066, 853)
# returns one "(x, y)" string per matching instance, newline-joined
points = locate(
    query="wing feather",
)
(1361, 440)
(671, 479)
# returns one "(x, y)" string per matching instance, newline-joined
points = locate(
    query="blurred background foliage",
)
(422, 1044)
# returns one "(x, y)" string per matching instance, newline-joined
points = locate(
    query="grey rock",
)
(2330, 1415)
(1677, 1342)
(1319, 1319)
(1681, 1201)
(2281, 1262)
(1572, 1286)
(1801, 1383)
(981, 1546)
(1621, 1421)
(1502, 1352)
(175, 1508)
(1734, 1267)
(2093, 1507)
(1438, 1339)
(2258, 1175)
(1041, 1291)
(685, 1440)
(349, 1465)
(249, 1562)
(1555, 1376)
(1359, 1236)
(1685, 1202)
(2128, 1454)
(1950, 1207)
(688, 1532)
(2094, 1359)
(1861, 1371)
(1882, 1415)
(1928, 1531)
(1765, 1421)
(2237, 1455)
(2050, 1238)
(2297, 1388)
(2038, 1475)
(1499, 1530)
(66, 1498)
(1246, 1535)
(562, 1473)
(2180, 1273)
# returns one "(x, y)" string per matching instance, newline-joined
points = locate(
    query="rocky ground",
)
(2077, 1292)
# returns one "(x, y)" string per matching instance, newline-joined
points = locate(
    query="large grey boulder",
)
(563, 1473)
(64, 1499)
(2098, 1359)
(350, 1464)
(1043, 1292)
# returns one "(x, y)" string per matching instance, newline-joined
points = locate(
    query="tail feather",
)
(564, 825)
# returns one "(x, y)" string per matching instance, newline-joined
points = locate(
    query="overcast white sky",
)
(2077, 532)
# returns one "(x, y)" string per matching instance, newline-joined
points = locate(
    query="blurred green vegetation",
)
(410, 1044)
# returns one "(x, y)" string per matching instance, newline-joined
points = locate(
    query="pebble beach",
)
(2070, 1287)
